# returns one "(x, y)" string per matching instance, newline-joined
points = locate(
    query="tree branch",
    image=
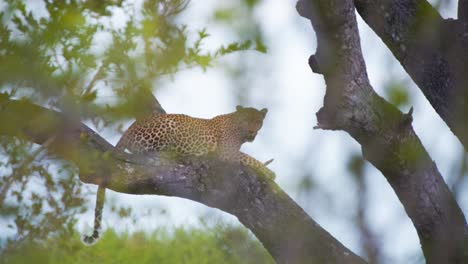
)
(385, 134)
(433, 51)
(463, 12)
(285, 230)
(151, 103)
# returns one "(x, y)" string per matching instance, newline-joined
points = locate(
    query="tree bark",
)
(433, 51)
(386, 135)
(463, 12)
(285, 230)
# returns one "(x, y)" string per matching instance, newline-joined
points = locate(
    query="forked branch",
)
(386, 135)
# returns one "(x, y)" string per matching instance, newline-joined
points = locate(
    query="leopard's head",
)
(250, 121)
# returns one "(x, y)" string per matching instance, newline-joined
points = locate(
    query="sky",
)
(284, 83)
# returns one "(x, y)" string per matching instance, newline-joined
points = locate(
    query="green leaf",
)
(260, 46)
(397, 94)
(89, 97)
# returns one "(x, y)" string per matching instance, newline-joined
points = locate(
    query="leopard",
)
(221, 136)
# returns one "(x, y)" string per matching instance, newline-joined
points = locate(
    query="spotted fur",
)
(100, 197)
(222, 136)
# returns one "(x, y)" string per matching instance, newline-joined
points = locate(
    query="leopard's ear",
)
(239, 107)
(264, 111)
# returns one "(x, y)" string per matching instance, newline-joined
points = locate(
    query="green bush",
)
(181, 245)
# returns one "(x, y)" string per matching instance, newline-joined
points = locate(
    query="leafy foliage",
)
(68, 52)
(35, 195)
(215, 245)
(397, 94)
(92, 60)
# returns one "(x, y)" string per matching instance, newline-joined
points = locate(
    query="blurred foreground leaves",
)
(96, 62)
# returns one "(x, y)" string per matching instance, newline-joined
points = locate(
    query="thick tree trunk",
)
(387, 138)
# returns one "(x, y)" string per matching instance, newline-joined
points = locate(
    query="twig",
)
(16, 174)
(95, 78)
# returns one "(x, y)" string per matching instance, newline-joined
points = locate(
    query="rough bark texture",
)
(463, 11)
(386, 135)
(432, 50)
(285, 230)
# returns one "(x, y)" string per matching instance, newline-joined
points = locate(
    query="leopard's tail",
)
(100, 197)
(257, 166)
